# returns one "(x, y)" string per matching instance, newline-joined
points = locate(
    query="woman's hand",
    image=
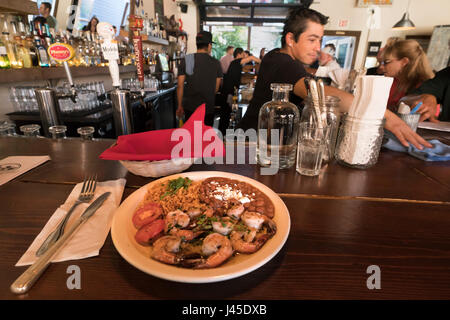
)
(403, 132)
(428, 109)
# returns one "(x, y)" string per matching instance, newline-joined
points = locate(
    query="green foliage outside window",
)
(237, 37)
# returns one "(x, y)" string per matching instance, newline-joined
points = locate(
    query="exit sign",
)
(367, 3)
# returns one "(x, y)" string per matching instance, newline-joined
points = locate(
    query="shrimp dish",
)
(203, 224)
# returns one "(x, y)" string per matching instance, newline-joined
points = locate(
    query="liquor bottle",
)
(4, 60)
(23, 54)
(41, 51)
(48, 42)
(10, 48)
(27, 41)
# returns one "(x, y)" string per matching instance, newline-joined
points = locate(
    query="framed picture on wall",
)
(159, 8)
(423, 40)
(373, 48)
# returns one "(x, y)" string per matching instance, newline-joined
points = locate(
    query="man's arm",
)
(180, 91)
(250, 58)
(218, 81)
(346, 98)
(393, 123)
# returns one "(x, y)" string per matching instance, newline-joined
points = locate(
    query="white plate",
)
(123, 231)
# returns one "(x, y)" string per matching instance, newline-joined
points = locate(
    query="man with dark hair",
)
(226, 59)
(202, 74)
(301, 41)
(44, 10)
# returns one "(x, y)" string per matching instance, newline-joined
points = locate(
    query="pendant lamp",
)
(405, 23)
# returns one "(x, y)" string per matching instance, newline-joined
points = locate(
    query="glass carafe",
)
(277, 129)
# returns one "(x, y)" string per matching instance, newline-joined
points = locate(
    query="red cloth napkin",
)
(157, 145)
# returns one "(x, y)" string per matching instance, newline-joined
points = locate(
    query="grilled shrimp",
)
(194, 212)
(209, 212)
(175, 222)
(218, 249)
(251, 240)
(236, 211)
(224, 226)
(253, 220)
(166, 249)
(176, 219)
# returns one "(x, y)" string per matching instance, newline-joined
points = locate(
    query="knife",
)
(30, 276)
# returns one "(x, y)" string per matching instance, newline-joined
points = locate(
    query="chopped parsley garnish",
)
(175, 185)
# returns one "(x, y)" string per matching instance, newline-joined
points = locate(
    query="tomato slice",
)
(150, 232)
(146, 214)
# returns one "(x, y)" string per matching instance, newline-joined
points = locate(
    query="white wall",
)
(190, 18)
(424, 14)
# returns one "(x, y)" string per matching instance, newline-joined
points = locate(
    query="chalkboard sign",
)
(439, 49)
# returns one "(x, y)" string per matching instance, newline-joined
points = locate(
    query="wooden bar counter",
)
(395, 215)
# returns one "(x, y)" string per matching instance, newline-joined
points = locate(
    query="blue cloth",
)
(439, 152)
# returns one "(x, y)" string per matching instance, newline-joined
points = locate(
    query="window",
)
(268, 37)
(227, 35)
(104, 10)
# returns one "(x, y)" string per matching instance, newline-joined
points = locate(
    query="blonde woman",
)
(408, 64)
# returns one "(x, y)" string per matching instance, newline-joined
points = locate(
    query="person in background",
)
(231, 81)
(301, 41)
(327, 61)
(226, 59)
(39, 20)
(262, 53)
(379, 70)
(408, 64)
(433, 92)
(92, 25)
(44, 10)
(202, 74)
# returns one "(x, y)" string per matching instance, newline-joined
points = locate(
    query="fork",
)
(86, 195)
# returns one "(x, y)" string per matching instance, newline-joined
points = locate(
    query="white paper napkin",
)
(90, 236)
(371, 97)
(26, 163)
(339, 77)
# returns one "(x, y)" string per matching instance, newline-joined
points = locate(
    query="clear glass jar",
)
(58, 132)
(277, 129)
(359, 142)
(30, 130)
(7, 129)
(330, 115)
(86, 133)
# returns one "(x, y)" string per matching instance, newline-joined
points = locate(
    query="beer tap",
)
(63, 52)
(136, 25)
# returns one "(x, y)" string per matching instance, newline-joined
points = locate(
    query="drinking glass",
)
(58, 132)
(7, 129)
(86, 133)
(412, 120)
(30, 130)
(312, 143)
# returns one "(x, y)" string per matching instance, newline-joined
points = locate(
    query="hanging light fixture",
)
(405, 23)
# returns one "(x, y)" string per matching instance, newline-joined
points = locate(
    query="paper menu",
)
(14, 166)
